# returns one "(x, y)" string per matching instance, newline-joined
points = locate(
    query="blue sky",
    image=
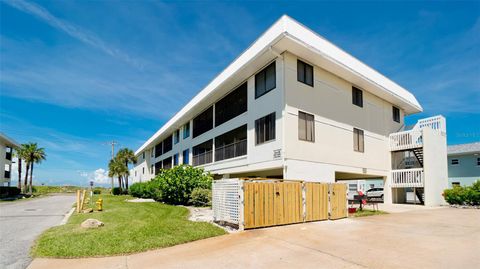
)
(76, 74)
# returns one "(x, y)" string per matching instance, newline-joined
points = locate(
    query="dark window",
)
(455, 162)
(167, 144)
(151, 169)
(186, 130)
(357, 97)
(396, 114)
(158, 167)
(232, 105)
(202, 153)
(231, 144)
(158, 149)
(176, 136)
(304, 73)
(143, 155)
(175, 159)
(265, 129)
(186, 156)
(478, 161)
(455, 184)
(167, 163)
(135, 172)
(306, 126)
(143, 171)
(265, 80)
(203, 122)
(358, 140)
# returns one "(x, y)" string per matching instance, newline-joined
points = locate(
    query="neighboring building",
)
(463, 164)
(295, 106)
(7, 146)
(354, 187)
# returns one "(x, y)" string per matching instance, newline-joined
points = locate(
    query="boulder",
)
(91, 223)
(88, 210)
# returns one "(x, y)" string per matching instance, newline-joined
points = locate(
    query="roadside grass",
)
(367, 212)
(129, 227)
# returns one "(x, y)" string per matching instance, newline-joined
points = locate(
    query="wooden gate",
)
(316, 201)
(338, 201)
(272, 203)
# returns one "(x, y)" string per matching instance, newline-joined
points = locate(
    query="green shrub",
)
(116, 191)
(201, 197)
(176, 184)
(459, 195)
(6, 191)
(97, 190)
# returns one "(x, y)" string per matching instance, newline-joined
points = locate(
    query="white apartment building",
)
(295, 106)
(7, 146)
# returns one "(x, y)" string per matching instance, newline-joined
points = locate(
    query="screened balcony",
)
(231, 144)
(203, 153)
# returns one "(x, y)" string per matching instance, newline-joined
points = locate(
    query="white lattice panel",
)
(226, 200)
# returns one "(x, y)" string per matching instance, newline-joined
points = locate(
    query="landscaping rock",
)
(91, 223)
(88, 210)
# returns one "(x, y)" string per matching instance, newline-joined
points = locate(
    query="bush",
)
(176, 184)
(201, 197)
(6, 191)
(97, 190)
(116, 191)
(459, 195)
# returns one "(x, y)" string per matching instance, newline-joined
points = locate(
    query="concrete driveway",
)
(22, 221)
(434, 238)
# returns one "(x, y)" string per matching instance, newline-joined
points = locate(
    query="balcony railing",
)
(407, 178)
(231, 150)
(202, 158)
(413, 138)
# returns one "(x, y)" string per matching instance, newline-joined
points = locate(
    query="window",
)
(143, 171)
(143, 155)
(358, 140)
(265, 129)
(202, 153)
(478, 161)
(455, 184)
(176, 136)
(304, 73)
(152, 152)
(203, 122)
(135, 172)
(158, 167)
(396, 114)
(167, 163)
(357, 97)
(167, 144)
(158, 149)
(186, 130)
(186, 156)
(306, 126)
(231, 144)
(232, 105)
(352, 187)
(175, 159)
(265, 80)
(455, 162)
(151, 169)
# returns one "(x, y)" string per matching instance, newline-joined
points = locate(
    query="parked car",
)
(375, 193)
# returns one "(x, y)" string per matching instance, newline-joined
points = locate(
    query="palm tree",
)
(26, 150)
(126, 156)
(116, 168)
(20, 155)
(37, 155)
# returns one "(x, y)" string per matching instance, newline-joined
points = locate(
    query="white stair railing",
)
(407, 178)
(413, 138)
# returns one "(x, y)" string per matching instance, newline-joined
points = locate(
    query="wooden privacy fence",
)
(254, 203)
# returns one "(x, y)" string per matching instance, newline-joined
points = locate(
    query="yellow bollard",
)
(99, 203)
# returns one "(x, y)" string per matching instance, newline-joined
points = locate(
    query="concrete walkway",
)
(435, 238)
(22, 221)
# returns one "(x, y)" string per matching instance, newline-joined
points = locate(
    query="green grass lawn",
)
(129, 227)
(367, 212)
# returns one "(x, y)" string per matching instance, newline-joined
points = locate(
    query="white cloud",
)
(99, 176)
(72, 30)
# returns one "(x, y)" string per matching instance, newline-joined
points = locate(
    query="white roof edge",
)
(9, 140)
(286, 26)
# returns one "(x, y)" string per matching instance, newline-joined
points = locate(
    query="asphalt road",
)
(22, 221)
